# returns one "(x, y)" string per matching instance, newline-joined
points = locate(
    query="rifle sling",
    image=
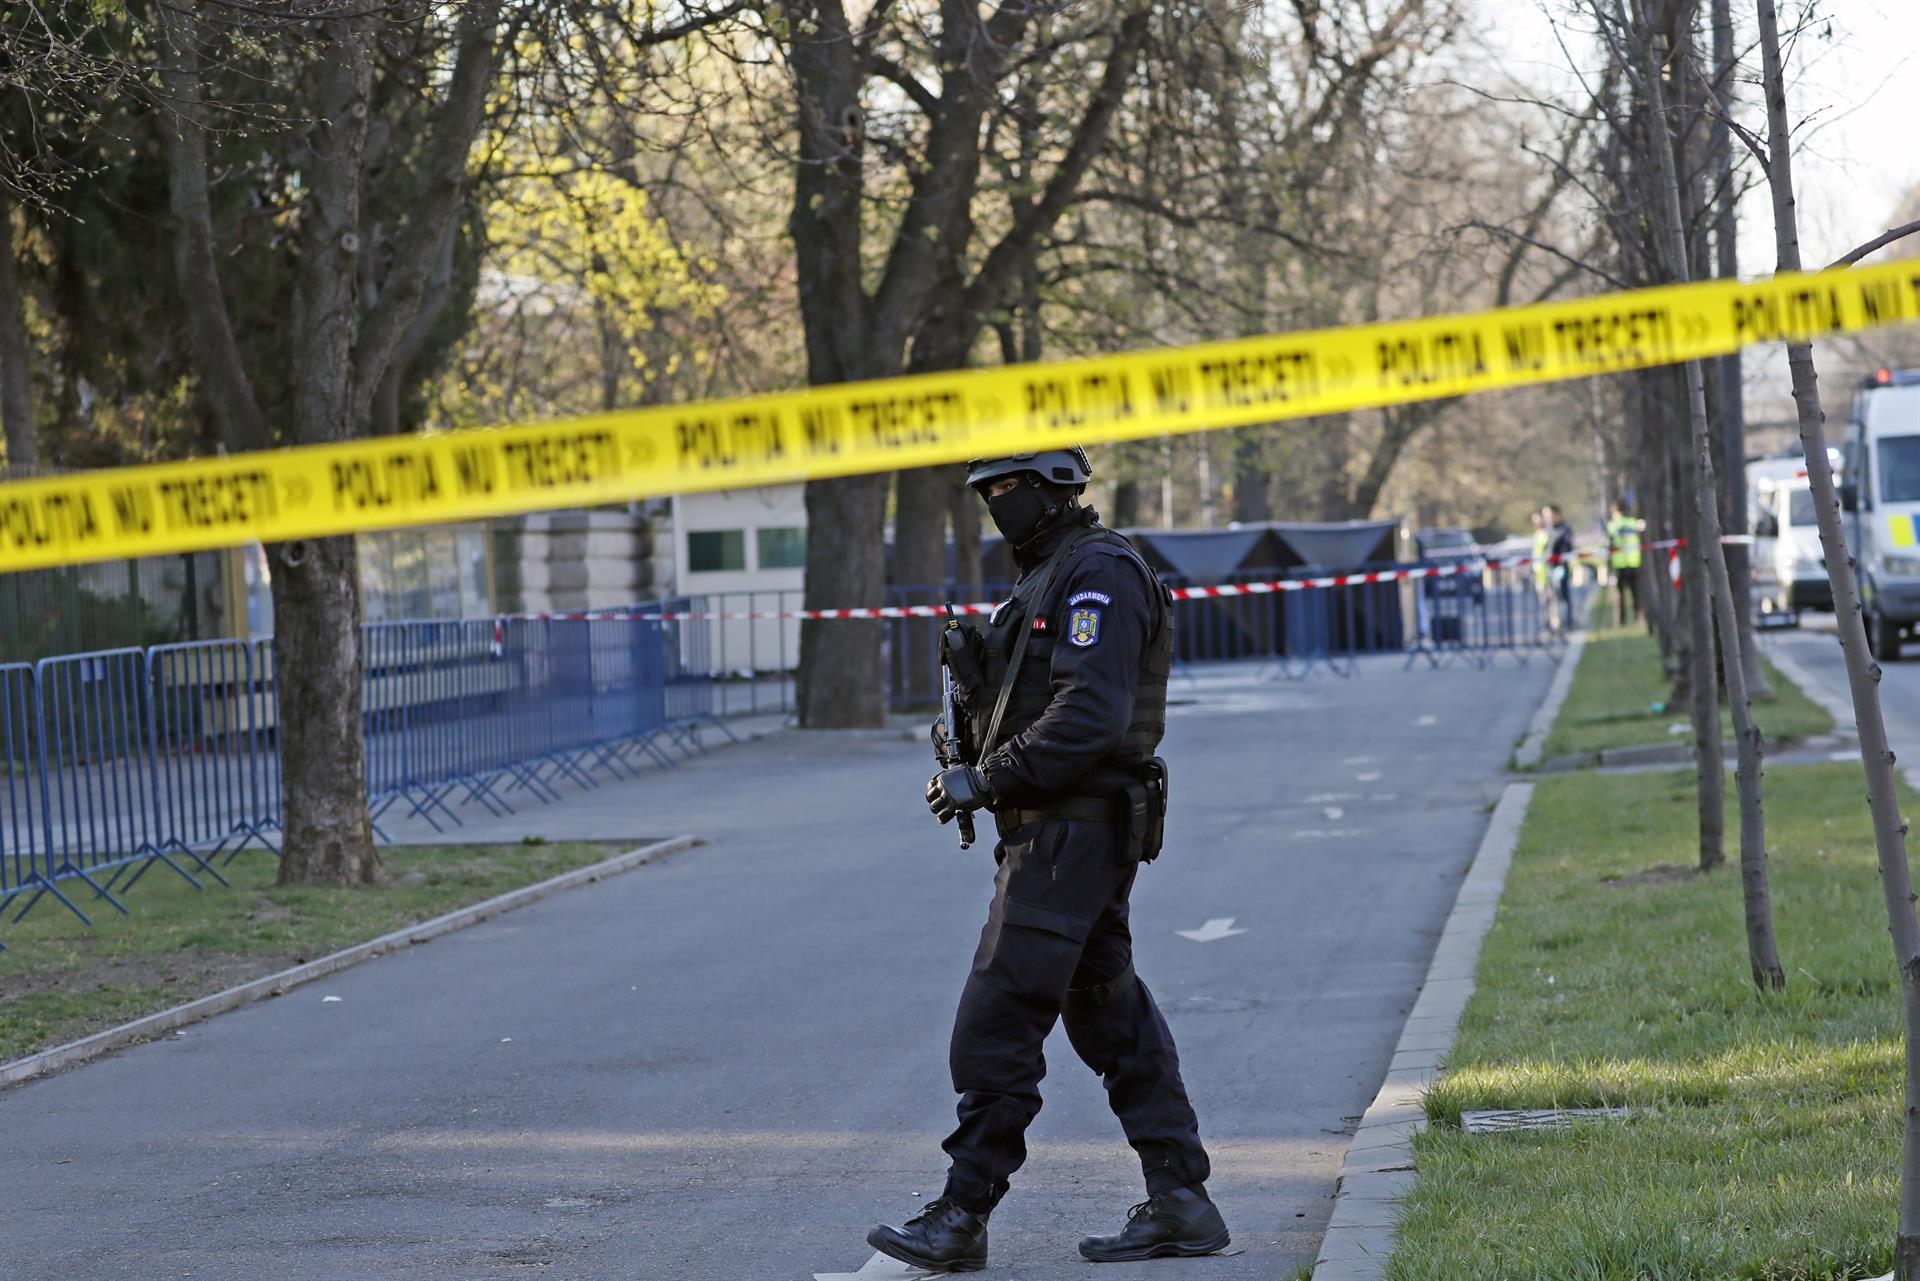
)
(1048, 572)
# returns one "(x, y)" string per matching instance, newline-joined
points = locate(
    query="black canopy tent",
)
(1299, 624)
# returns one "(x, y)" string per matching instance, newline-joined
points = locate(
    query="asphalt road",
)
(1814, 647)
(727, 1066)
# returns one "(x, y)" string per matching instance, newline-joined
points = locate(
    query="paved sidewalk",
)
(729, 1065)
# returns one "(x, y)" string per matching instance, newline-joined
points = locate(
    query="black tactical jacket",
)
(1090, 704)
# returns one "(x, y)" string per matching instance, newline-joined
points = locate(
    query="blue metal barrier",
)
(23, 834)
(112, 763)
(211, 719)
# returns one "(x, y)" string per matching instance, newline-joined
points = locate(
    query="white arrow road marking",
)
(1334, 813)
(1333, 796)
(1428, 720)
(1371, 776)
(878, 1268)
(1216, 928)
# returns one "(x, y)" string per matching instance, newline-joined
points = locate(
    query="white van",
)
(1789, 535)
(1881, 496)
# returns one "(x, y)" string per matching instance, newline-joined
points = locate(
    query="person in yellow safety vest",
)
(1623, 556)
(1543, 585)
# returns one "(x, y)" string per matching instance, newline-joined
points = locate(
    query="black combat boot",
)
(941, 1238)
(1178, 1224)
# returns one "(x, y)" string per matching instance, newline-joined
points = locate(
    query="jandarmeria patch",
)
(1083, 626)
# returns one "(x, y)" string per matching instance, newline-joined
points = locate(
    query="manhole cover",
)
(1534, 1119)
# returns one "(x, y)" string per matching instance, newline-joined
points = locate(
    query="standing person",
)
(1069, 709)
(1543, 567)
(1623, 556)
(1560, 550)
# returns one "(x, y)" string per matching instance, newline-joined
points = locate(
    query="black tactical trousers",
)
(1056, 945)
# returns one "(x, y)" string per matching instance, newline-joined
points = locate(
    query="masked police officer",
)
(1067, 769)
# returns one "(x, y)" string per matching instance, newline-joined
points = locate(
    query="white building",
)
(744, 550)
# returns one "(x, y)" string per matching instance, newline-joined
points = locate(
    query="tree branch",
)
(216, 353)
(1878, 242)
(887, 69)
(1005, 258)
(460, 117)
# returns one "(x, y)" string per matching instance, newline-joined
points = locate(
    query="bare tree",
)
(932, 289)
(349, 318)
(1863, 674)
(353, 168)
(1762, 951)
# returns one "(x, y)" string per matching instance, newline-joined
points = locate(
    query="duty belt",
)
(1091, 809)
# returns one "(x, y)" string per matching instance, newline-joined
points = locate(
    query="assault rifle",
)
(952, 743)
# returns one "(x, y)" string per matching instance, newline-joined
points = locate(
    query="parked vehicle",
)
(1788, 532)
(1881, 498)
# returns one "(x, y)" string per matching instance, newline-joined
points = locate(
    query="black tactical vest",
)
(1033, 689)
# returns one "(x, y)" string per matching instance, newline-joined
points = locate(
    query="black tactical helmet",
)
(1067, 467)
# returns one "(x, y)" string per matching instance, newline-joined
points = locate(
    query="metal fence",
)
(1473, 611)
(115, 762)
(119, 761)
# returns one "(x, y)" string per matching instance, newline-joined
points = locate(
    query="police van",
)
(1881, 499)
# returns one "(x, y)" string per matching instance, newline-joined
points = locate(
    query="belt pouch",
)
(1139, 822)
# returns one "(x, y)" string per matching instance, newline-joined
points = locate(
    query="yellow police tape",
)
(912, 422)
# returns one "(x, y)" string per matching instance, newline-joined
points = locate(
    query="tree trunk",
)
(1703, 679)
(1731, 394)
(922, 498)
(1656, 586)
(843, 679)
(316, 609)
(1252, 490)
(1763, 955)
(1863, 674)
(1333, 501)
(16, 370)
(964, 510)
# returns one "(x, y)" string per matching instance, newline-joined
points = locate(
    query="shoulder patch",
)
(1083, 626)
(1080, 598)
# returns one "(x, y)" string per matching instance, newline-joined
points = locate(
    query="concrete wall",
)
(580, 560)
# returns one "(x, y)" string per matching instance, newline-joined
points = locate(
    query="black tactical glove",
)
(955, 791)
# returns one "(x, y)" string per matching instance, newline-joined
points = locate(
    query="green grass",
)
(62, 980)
(1766, 1137)
(1620, 677)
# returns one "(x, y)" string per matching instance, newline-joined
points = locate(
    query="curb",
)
(1527, 756)
(76, 1052)
(1378, 1170)
(1839, 708)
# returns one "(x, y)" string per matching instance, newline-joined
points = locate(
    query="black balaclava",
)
(1028, 510)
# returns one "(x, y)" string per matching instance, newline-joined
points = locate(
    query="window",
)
(782, 548)
(1800, 508)
(1900, 469)
(712, 551)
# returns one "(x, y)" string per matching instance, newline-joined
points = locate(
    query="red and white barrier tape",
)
(1267, 588)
